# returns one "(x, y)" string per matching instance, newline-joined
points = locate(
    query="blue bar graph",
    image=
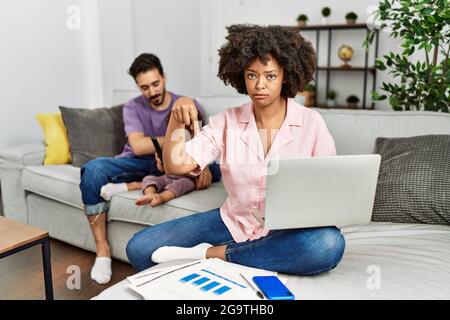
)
(189, 277)
(222, 290)
(200, 281)
(210, 286)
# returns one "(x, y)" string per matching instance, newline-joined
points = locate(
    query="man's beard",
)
(155, 99)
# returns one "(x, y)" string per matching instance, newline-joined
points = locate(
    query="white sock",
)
(165, 254)
(107, 191)
(101, 271)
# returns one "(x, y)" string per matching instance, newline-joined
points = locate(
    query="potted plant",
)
(309, 92)
(423, 82)
(326, 11)
(331, 98)
(301, 20)
(352, 101)
(351, 17)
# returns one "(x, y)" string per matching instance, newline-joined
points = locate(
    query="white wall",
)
(43, 65)
(171, 30)
(221, 13)
(117, 45)
(344, 83)
(186, 35)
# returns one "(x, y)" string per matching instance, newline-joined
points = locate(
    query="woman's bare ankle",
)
(216, 252)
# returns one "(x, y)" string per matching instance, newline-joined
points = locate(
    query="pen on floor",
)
(258, 293)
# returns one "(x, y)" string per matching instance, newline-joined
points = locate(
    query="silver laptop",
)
(321, 191)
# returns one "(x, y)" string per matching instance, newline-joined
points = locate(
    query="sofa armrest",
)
(24, 155)
(12, 162)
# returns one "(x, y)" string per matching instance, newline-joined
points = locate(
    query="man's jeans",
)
(99, 172)
(296, 251)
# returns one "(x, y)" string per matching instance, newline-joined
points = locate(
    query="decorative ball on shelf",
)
(345, 53)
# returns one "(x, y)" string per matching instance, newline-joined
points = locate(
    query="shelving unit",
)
(366, 69)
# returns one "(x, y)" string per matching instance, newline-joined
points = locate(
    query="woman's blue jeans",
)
(295, 251)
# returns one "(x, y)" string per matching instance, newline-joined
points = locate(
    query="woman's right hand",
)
(185, 112)
(176, 161)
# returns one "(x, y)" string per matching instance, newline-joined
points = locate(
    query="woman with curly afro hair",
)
(270, 65)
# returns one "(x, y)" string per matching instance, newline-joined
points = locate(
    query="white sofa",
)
(413, 260)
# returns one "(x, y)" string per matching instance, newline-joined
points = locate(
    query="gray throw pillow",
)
(94, 133)
(414, 180)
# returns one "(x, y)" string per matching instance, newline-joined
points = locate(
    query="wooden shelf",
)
(324, 106)
(333, 26)
(370, 69)
(366, 70)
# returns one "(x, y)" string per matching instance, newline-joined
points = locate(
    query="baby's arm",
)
(159, 164)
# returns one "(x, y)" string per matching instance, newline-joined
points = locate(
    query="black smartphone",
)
(158, 148)
(273, 288)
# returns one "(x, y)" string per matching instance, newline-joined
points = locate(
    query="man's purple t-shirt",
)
(138, 116)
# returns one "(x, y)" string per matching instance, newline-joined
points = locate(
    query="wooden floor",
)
(1, 203)
(21, 275)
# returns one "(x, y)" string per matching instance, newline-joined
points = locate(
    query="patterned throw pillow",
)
(414, 180)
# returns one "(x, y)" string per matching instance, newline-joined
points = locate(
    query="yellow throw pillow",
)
(57, 149)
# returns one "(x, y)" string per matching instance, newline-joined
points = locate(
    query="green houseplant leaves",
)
(423, 80)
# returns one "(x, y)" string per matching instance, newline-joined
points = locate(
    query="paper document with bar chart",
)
(208, 279)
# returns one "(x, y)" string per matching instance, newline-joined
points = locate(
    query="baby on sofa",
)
(158, 190)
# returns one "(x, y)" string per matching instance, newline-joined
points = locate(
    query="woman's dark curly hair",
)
(246, 43)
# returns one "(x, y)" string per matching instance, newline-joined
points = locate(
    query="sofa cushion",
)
(355, 131)
(58, 182)
(61, 183)
(411, 260)
(123, 208)
(413, 183)
(94, 133)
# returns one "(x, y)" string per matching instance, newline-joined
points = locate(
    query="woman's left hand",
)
(204, 180)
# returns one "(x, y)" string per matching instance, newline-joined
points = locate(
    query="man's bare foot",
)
(146, 199)
(162, 197)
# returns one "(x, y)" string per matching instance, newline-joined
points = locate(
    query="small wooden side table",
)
(16, 236)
